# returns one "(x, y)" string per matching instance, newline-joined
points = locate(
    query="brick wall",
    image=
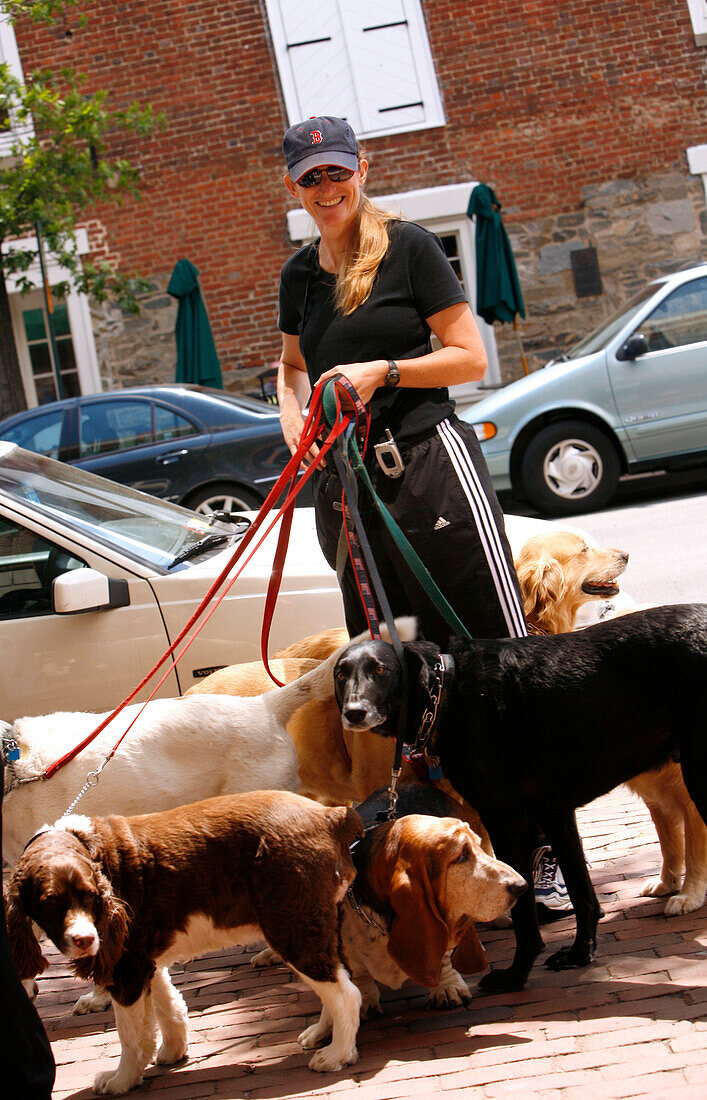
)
(577, 115)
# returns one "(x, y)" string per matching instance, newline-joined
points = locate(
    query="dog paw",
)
(110, 1083)
(329, 1060)
(658, 887)
(312, 1036)
(370, 1007)
(504, 981)
(91, 1002)
(681, 904)
(449, 997)
(569, 958)
(169, 1053)
(266, 957)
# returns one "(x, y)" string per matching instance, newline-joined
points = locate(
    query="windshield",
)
(608, 329)
(141, 527)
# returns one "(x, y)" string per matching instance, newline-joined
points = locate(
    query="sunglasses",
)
(336, 175)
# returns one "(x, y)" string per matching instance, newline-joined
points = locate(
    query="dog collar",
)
(440, 675)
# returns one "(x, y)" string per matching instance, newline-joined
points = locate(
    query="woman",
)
(363, 301)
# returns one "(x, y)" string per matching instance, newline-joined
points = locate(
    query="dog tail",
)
(319, 683)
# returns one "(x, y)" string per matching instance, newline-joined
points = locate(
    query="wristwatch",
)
(393, 376)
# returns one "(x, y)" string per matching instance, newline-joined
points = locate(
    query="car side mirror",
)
(633, 347)
(87, 590)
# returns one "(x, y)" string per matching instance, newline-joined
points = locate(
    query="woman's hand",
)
(364, 377)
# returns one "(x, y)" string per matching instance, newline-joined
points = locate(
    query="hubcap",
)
(572, 468)
(222, 503)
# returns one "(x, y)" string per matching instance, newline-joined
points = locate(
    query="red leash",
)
(310, 433)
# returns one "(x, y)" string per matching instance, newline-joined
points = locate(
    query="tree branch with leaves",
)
(59, 164)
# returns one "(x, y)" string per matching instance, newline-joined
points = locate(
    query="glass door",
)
(36, 331)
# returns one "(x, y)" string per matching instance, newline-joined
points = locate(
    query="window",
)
(28, 567)
(10, 129)
(698, 15)
(40, 433)
(367, 61)
(107, 426)
(680, 319)
(37, 335)
(170, 425)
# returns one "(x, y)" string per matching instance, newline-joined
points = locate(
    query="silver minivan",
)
(630, 397)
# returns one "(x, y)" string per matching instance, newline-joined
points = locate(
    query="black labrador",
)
(529, 729)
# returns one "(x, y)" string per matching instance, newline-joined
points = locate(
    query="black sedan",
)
(206, 449)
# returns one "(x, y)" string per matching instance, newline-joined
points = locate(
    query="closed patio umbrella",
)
(197, 360)
(498, 293)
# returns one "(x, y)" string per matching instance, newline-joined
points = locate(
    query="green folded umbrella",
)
(197, 360)
(498, 293)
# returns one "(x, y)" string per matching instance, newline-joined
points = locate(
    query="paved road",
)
(662, 523)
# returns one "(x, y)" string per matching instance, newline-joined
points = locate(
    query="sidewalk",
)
(634, 1024)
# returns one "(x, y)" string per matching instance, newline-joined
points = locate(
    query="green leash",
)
(419, 570)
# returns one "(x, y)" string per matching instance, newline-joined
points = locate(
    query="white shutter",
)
(367, 61)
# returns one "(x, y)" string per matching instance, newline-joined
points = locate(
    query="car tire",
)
(222, 496)
(570, 467)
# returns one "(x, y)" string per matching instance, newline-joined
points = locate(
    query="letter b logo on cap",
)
(316, 136)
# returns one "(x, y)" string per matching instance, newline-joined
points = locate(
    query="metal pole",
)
(53, 353)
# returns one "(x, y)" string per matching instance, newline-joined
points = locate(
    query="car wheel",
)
(222, 497)
(570, 467)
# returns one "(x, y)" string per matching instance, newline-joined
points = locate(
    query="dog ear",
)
(542, 582)
(27, 955)
(469, 956)
(112, 927)
(418, 936)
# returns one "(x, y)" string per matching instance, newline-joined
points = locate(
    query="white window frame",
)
(10, 55)
(423, 61)
(698, 15)
(697, 163)
(77, 308)
(441, 210)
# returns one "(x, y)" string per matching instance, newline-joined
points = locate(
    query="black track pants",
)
(446, 505)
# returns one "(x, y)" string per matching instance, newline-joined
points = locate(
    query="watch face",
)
(393, 376)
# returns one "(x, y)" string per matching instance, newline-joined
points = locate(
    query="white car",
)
(97, 580)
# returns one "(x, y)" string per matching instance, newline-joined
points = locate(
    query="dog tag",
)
(435, 773)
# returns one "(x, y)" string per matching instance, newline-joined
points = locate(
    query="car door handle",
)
(173, 456)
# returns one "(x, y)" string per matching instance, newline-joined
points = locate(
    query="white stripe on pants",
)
(486, 525)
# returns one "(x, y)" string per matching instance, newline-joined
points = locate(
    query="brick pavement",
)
(632, 1025)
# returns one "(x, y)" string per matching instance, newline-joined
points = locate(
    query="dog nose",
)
(355, 716)
(517, 889)
(82, 942)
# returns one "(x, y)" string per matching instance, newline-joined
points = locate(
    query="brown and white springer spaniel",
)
(123, 898)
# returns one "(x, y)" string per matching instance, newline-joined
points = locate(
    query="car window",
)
(28, 565)
(136, 525)
(600, 336)
(40, 433)
(114, 426)
(170, 425)
(680, 319)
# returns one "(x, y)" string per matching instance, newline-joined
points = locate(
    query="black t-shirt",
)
(414, 281)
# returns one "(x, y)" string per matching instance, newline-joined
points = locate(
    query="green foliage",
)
(63, 161)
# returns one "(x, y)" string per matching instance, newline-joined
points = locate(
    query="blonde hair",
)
(363, 257)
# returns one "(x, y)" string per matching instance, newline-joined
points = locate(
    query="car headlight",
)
(484, 430)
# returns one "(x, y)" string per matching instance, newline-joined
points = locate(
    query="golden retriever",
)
(558, 573)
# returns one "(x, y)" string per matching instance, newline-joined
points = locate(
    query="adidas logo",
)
(441, 522)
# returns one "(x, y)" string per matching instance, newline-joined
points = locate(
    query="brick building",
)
(589, 121)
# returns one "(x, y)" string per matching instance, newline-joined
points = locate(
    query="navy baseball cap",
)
(317, 142)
